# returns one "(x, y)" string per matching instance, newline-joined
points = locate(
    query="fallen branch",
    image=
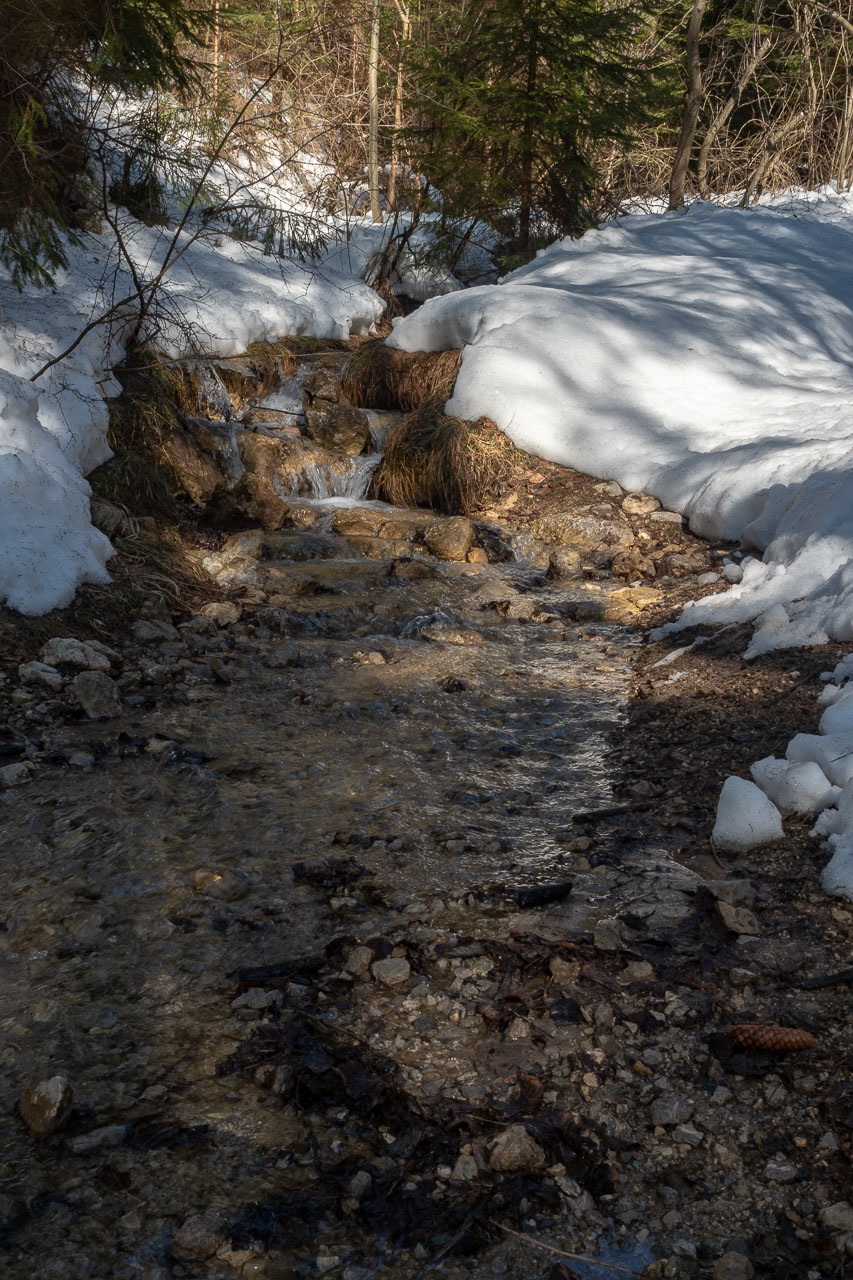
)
(562, 1253)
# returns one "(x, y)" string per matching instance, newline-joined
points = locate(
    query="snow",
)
(745, 817)
(794, 786)
(700, 356)
(218, 297)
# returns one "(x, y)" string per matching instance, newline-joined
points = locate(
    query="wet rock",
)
(109, 1135)
(516, 1151)
(69, 652)
(738, 919)
(283, 655)
(248, 545)
(323, 385)
(198, 457)
(451, 635)
(273, 468)
(380, 548)
(337, 427)
(411, 570)
(450, 539)
(222, 613)
(670, 1109)
(563, 564)
(733, 1266)
(40, 675)
(227, 886)
(153, 631)
(362, 522)
(98, 695)
(199, 1237)
(639, 504)
(44, 1106)
(391, 971)
(15, 775)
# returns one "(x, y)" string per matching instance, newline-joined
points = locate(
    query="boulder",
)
(338, 427)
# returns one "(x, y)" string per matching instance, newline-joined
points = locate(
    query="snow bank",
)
(219, 296)
(703, 357)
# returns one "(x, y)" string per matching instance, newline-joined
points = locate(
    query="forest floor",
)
(380, 931)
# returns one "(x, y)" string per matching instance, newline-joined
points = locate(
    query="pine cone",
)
(769, 1038)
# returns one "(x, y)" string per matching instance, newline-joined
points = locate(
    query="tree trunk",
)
(722, 116)
(692, 103)
(526, 192)
(373, 127)
(405, 18)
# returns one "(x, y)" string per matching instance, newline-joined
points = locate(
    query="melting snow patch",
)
(745, 817)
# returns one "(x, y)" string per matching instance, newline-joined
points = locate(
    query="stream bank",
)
(378, 920)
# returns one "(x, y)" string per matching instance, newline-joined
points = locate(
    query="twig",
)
(714, 852)
(563, 1253)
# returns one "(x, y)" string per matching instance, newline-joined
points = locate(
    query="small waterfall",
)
(352, 483)
(212, 394)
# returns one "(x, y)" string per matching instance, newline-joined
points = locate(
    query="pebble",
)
(670, 1109)
(358, 960)
(778, 1169)
(227, 886)
(666, 517)
(199, 1236)
(738, 919)
(640, 504)
(391, 971)
(733, 1266)
(516, 1150)
(44, 1106)
(97, 694)
(838, 1216)
(14, 775)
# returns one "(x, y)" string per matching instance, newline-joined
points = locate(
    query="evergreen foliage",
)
(515, 96)
(136, 45)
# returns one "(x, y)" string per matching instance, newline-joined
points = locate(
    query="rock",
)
(227, 886)
(44, 1106)
(733, 1266)
(391, 971)
(450, 539)
(69, 652)
(323, 385)
(199, 1236)
(706, 579)
(248, 545)
(411, 570)
(666, 517)
(107, 517)
(362, 522)
(679, 566)
(837, 1217)
(283, 655)
(15, 775)
(337, 427)
(198, 458)
(563, 564)
(41, 675)
(607, 934)
(632, 564)
(670, 1109)
(358, 960)
(610, 489)
(583, 531)
(738, 919)
(98, 695)
(255, 1001)
(442, 634)
(687, 1135)
(477, 556)
(639, 504)
(515, 1150)
(359, 1184)
(778, 1169)
(465, 1169)
(153, 631)
(109, 1135)
(222, 613)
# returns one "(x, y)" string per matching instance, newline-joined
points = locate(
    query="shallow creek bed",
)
(378, 933)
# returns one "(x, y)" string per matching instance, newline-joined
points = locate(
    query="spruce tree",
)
(514, 97)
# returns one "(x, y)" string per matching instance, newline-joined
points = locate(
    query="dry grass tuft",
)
(380, 377)
(448, 464)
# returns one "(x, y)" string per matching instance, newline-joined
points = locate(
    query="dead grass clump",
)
(448, 464)
(380, 377)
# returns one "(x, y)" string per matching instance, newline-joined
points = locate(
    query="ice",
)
(832, 752)
(745, 817)
(700, 356)
(837, 875)
(793, 786)
(838, 717)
